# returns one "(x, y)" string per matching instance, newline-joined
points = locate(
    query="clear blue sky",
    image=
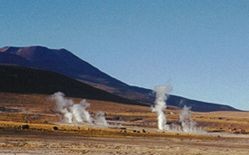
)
(200, 47)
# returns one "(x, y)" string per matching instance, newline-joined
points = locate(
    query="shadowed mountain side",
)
(25, 80)
(6, 58)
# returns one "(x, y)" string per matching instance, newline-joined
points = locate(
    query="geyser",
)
(76, 113)
(80, 113)
(100, 119)
(187, 124)
(160, 105)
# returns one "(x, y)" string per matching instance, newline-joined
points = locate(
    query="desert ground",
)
(30, 125)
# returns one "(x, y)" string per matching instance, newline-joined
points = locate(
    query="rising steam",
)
(187, 124)
(160, 105)
(100, 119)
(76, 113)
(80, 113)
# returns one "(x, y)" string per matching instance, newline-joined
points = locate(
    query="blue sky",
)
(200, 47)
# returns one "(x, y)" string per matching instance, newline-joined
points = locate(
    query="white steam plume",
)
(67, 116)
(62, 106)
(187, 124)
(160, 105)
(80, 114)
(76, 113)
(71, 112)
(100, 119)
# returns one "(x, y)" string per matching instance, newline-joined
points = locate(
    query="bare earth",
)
(135, 133)
(39, 143)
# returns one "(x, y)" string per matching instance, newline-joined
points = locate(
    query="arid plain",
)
(29, 125)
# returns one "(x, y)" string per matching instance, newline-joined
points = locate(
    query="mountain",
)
(33, 81)
(64, 62)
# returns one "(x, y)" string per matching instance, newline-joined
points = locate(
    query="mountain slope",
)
(26, 80)
(64, 62)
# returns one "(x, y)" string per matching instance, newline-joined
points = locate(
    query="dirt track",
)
(26, 142)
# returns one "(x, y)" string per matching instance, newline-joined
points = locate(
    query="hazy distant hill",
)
(64, 62)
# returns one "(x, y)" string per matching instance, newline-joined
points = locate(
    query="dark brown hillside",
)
(25, 80)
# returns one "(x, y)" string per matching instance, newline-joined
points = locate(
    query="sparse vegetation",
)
(35, 114)
(39, 109)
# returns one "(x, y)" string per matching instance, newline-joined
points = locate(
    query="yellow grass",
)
(39, 109)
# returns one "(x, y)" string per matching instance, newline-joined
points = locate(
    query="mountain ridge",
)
(66, 63)
(82, 70)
